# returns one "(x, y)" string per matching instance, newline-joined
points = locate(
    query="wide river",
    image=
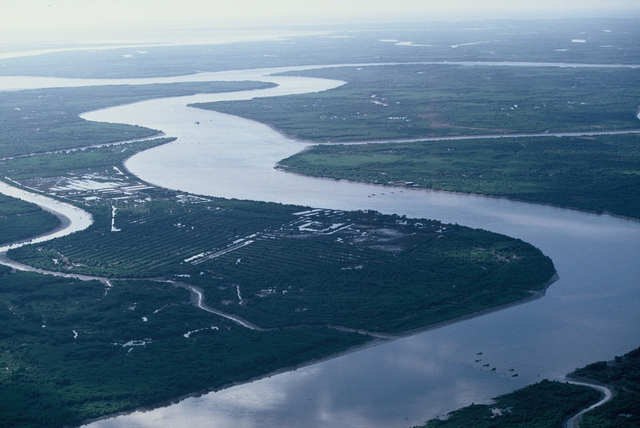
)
(590, 314)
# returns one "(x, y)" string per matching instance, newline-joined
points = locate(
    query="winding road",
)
(574, 421)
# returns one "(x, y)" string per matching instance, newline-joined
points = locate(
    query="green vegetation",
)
(542, 405)
(71, 350)
(623, 374)
(42, 120)
(600, 174)
(360, 270)
(22, 220)
(419, 101)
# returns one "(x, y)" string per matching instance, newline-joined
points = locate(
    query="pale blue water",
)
(590, 314)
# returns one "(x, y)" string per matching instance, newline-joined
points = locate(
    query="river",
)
(72, 219)
(590, 314)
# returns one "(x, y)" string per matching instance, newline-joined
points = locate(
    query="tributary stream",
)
(590, 314)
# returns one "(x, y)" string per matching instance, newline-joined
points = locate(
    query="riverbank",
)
(72, 219)
(518, 223)
(548, 403)
(585, 173)
(542, 405)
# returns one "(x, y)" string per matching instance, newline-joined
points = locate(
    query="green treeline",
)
(536, 40)
(75, 161)
(549, 404)
(623, 375)
(600, 173)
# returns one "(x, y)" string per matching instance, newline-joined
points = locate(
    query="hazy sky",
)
(113, 20)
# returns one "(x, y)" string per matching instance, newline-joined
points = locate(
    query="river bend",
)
(590, 314)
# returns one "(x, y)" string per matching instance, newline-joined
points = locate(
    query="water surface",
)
(588, 315)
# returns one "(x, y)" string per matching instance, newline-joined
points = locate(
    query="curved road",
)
(574, 422)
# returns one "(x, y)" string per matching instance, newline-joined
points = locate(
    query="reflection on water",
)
(590, 314)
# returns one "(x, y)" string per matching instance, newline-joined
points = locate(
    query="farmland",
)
(420, 101)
